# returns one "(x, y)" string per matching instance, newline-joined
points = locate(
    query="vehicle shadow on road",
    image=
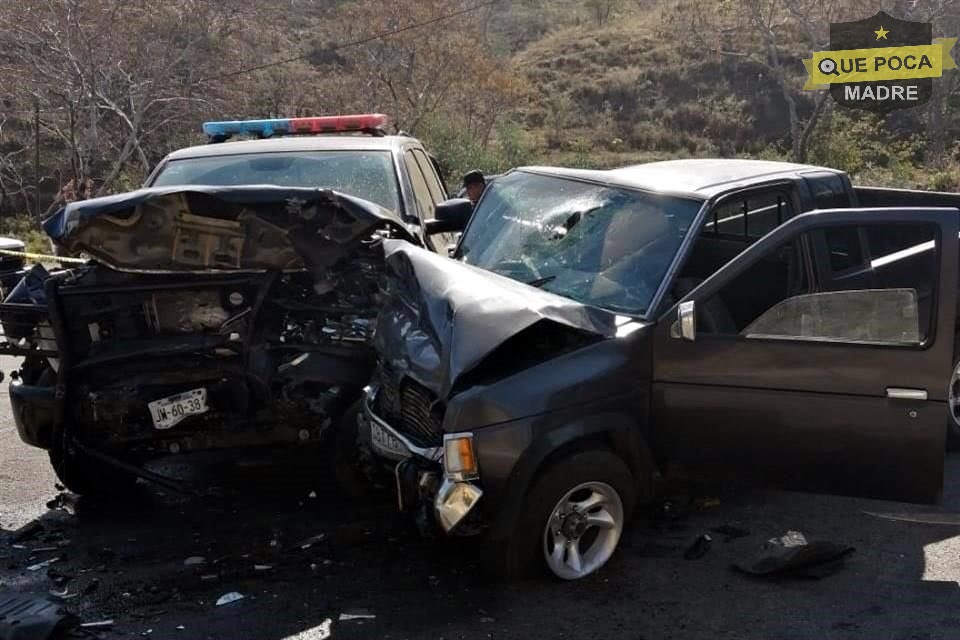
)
(302, 556)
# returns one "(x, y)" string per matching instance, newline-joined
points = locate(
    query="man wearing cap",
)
(474, 183)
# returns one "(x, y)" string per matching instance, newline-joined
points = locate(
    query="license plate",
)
(386, 443)
(170, 411)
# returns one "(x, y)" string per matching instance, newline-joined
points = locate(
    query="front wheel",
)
(86, 476)
(573, 518)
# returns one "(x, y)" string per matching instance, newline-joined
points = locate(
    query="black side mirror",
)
(450, 216)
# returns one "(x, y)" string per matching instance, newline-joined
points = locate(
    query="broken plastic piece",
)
(97, 625)
(357, 614)
(194, 560)
(793, 554)
(227, 598)
(44, 564)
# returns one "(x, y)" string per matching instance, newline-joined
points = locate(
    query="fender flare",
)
(622, 434)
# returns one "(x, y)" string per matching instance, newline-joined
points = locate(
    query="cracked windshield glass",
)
(602, 246)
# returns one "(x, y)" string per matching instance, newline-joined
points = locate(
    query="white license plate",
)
(386, 443)
(168, 412)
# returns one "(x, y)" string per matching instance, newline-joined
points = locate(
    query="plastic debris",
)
(63, 595)
(180, 627)
(699, 548)
(312, 540)
(793, 554)
(101, 624)
(194, 560)
(356, 614)
(44, 564)
(227, 598)
(262, 567)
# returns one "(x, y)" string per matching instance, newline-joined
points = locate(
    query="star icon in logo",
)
(881, 33)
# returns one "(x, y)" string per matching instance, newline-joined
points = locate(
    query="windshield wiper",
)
(539, 282)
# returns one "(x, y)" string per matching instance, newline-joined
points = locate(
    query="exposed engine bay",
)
(226, 318)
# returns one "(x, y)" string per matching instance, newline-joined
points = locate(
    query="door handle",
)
(899, 393)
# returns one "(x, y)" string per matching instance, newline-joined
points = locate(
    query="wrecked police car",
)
(207, 317)
(602, 328)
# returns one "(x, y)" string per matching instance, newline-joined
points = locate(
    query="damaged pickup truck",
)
(603, 329)
(206, 317)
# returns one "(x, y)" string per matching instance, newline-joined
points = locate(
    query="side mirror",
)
(686, 325)
(450, 216)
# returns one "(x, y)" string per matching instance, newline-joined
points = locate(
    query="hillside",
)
(588, 83)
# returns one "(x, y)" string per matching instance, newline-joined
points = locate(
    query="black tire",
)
(953, 429)
(88, 477)
(521, 554)
(351, 462)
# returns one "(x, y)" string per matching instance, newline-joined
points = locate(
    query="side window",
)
(828, 191)
(780, 297)
(751, 215)
(433, 180)
(421, 192)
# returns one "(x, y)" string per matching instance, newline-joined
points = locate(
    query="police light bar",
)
(373, 123)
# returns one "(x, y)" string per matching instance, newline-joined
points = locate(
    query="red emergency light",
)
(372, 123)
(339, 124)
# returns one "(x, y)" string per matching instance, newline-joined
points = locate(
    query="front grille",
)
(410, 408)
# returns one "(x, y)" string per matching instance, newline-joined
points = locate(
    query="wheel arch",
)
(617, 433)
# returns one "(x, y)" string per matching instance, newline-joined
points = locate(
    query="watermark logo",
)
(880, 64)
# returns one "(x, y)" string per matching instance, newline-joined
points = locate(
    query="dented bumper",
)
(423, 483)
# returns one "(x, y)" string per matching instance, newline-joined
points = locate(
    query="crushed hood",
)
(443, 317)
(202, 229)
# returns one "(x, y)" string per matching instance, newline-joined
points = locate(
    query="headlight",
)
(459, 457)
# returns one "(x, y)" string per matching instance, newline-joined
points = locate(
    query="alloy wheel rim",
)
(583, 530)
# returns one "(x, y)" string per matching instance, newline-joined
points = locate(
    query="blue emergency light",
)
(367, 123)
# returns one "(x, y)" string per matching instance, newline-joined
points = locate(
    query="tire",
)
(351, 462)
(953, 408)
(88, 477)
(526, 550)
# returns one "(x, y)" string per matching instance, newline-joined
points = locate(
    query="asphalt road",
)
(302, 557)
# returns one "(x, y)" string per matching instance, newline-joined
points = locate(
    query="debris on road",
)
(792, 554)
(43, 565)
(227, 598)
(356, 614)
(729, 532)
(699, 548)
(312, 540)
(262, 567)
(194, 560)
(101, 624)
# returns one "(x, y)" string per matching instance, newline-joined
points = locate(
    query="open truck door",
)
(835, 385)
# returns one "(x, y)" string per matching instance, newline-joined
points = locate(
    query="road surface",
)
(302, 558)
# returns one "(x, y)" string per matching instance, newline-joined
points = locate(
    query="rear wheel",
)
(573, 518)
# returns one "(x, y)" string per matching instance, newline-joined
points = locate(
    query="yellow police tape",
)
(886, 63)
(42, 257)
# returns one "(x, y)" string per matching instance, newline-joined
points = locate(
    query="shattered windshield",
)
(365, 174)
(604, 246)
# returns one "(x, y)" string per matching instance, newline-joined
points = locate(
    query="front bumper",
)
(33, 413)
(449, 504)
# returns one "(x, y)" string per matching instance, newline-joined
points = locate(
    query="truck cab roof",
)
(700, 178)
